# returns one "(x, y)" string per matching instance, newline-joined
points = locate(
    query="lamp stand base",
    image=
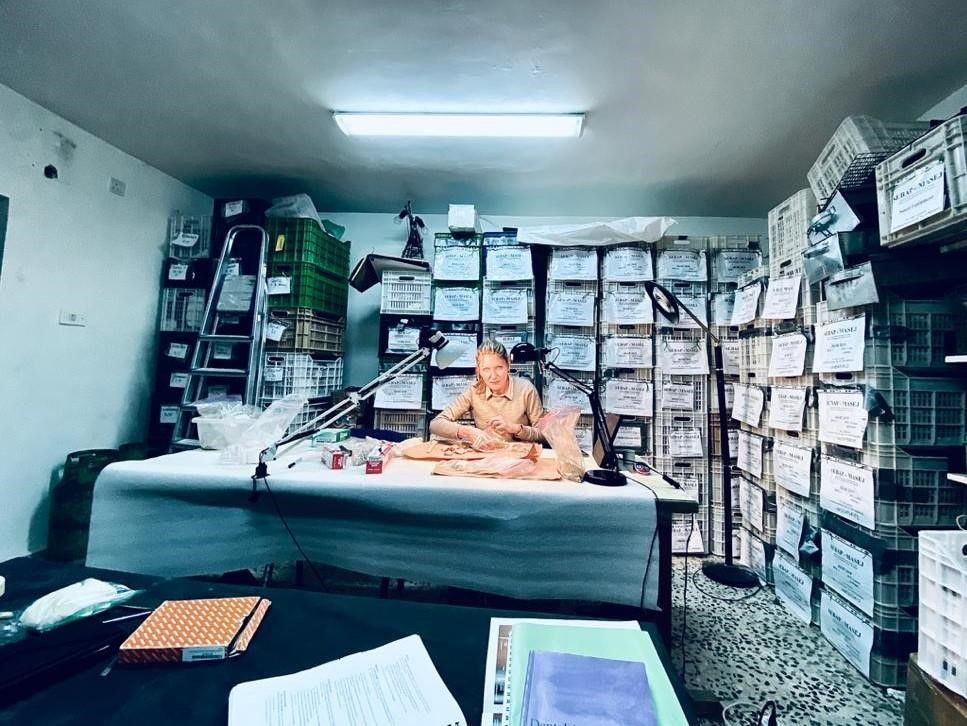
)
(605, 478)
(730, 574)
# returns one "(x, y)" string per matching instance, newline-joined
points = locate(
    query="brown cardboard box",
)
(930, 704)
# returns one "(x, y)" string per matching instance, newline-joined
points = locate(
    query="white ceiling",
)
(695, 107)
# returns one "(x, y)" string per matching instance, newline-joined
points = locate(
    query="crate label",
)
(792, 466)
(178, 380)
(402, 340)
(573, 264)
(746, 304)
(753, 553)
(690, 484)
(628, 437)
(788, 357)
(584, 436)
(685, 443)
(280, 243)
(628, 264)
(751, 504)
(850, 634)
(918, 195)
(852, 287)
(730, 264)
(848, 570)
(456, 262)
(748, 403)
(178, 272)
(694, 303)
(837, 217)
(509, 263)
(628, 307)
(273, 374)
(789, 527)
(274, 331)
(631, 398)
(222, 351)
(177, 350)
(840, 345)
(733, 441)
(279, 285)
(794, 588)
(403, 392)
(456, 303)
(684, 265)
(731, 357)
(443, 389)
(678, 396)
(628, 352)
(213, 391)
(509, 339)
(185, 239)
(560, 393)
(682, 357)
(574, 353)
(750, 453)
(466, 341)
(505, 306)
(233, 268)
(847, 489)
(723, 303)
(842, 418)
(687, 536)
(169, 414)
(233, 209)
(782, 297)
(786, 408)
(571, 307)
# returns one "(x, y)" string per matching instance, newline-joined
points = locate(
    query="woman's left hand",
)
(502, 426)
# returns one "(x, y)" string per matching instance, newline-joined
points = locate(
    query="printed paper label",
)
(574, 353)
(222, 351)
(746, 304)
(730, 264)
(687, 532)
(402, 340)
(682, 265)
(723, 303)
(918, 195)
(169, 414)
(570, 307)
(178, 272)
(279, 285)
(748, 404)
(456, 262)
(839, 346)
(847, 489)
(786, 408)
(628, 437)
(794, 588)
(178, 380)
(233, 268)
(848, 569)
(468, 358)
(792, 466)
(456, 303)
(560, 393)
(789, 527)
(631, 398)
(573, 264)
(842, 418)
(782, 297)
(630, 306)
(273, 373)
(274, 331)
(695, 303)
(404, 392)
(177, 350)
(628, 264)
(505, 306)
(850, 634)
(628, 353)
(753, 554)
(509, 264)
(444, 389)
(750, 453)
(685, 443)
(678, 396)
(731, 357)
(232, 209)
(788, 358)
(683, 357)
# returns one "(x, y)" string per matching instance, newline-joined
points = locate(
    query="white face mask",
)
(74, 602)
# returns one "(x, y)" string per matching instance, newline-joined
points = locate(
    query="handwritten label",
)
(847, 631)
(789, 526)
(848, 569)
(233, 268)
(178, 272)
(573, 264)
(456, 262)
(746, 304)
(169, 414)
(628, 264)
(792, 467)
(444, 389)
(748, 403)
(794, 588)
(178, 380)
(509, 263)
(621, 352)
(456, 303)
(628, 306)
(678, 396)
(842, 417)
(682, 265)
(233, 209)
(177, 350)
(574, 352)
(788, 357)
(684, 357)
(631, 398)
(786, 408)
(918, 195)
(560, 393)
(505, 306)
(466, 341)
(731, 357)
(782, 298)
(404, 392)
(274, 331)
(279, 285)
(839, 346)
(750, 454)
(730, 264)
(847, 489)
(570, 307)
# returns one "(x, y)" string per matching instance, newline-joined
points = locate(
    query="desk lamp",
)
(728, 572)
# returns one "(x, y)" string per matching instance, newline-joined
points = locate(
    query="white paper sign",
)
(684, 357)
(842, 417)
(695, 303)
(468, 358)
(753, 554)
(918, 195)
(233, 268)
(443, 389)
(730, 264)
(231, 209)
(573, 264)
(404, 392)
(723, 303)
(748, 403)
(456, 262)
(628, 306)
(178, 272)
(505, 305)
(222, 351)
(794, 588)
(750, 454)
(560, 393)
(628, 437)
(847, 489)
(850, 634)
(682, 265)
(279, 285)
(169, 414)
(456, 303)
(789, 526)
(273, 373)
(848, 569)
(620, 352)
(177, 350)
(782, 297)
(631, 398)
(510, 338)
(509, 263)
(585, 437)
(274, 331)
(792, 467)
(213, 391)
(685, 443)
(839, 346)
(786, 408)
(402, 340)
(678, 396)
(746, 304)
(788, 357)
(628, 264)
(178, 380)
(731, 357)
(570, 307)
(574, 352)
(687, 532)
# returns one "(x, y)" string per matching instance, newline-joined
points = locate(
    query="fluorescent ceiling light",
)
(460, 124)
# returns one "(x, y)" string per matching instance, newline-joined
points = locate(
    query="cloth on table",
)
(453, 450)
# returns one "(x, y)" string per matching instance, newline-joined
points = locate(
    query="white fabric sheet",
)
(184, 514)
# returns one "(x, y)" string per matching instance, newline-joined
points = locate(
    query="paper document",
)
(394, 685)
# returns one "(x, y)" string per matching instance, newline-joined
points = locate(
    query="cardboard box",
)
(462, 219)
(930, 704)
(330, 436)
(378, 458)
(333, 457)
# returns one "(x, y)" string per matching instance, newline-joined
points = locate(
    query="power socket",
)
(116, 186)
(72, 317)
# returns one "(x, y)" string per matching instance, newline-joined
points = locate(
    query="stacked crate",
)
(307, 286)
(570, 331)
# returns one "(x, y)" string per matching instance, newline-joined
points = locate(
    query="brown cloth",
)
(451, 451)
(542, 469)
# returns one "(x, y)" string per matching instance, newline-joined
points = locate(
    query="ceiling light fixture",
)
(557, 125)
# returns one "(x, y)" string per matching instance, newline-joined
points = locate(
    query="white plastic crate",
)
(807, 506)
(412, 423)
(689, 534)
(942, 644)
(809, 296)
(855, 147)
(717, 489)
(406, 293)
(492, 292)
(788, 224)
(756, 554)
(717, 532)
(286, 373)
(677, 431)
(945, 144)
(758, 509)
(182, 309)
(189, 236)
(691, 474)
(716, 436)
(755, 347)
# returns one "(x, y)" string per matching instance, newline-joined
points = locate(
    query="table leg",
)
(665, 574)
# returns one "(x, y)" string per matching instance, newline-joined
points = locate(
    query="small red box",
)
(334, 458)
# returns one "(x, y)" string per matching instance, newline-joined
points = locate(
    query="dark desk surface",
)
(301, 630)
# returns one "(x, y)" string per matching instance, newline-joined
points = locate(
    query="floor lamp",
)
(728, 572)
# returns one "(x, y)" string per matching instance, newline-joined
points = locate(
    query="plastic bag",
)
(270, 426)
(74, 602)
(557, 427)
(503, 467)
(298, 205)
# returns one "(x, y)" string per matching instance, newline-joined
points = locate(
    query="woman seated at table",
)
(502, 406)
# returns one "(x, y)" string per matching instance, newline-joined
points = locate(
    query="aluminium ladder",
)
(228, 325)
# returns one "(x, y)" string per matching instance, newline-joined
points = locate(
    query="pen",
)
(295, 462)
(128, 617)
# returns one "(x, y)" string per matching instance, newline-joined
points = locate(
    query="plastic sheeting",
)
(628, 229)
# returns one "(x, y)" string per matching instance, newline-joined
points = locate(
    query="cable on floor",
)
(724, 599)
(278, 510)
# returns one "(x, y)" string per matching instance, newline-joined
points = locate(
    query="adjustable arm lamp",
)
(728, 572)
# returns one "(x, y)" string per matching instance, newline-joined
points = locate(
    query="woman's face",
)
(494, 372)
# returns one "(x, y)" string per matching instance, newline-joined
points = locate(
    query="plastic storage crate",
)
(689, 534)
(758, 509)
(692, 474)
(287, 373)
(678, 384)
(670, 426)
(189, 237)
(944, 143)
(755, 553)
(716, 536)
(716, 437)
(788, 225)
(942, 644)
(307, 331)
(411, 423)
(927, 411)
(856, 146)
(304, 241)
(406, 293)
(309, 287)
(182, 309)
(755, 348)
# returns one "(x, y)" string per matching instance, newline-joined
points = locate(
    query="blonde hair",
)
(491, 346)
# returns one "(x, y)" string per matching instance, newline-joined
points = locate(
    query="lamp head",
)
(447, 352)
(665, 301)
(527, 353)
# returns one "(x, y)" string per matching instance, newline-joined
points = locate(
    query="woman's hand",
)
(502, 426)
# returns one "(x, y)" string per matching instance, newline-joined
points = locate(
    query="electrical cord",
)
(691, 531)
(278, 510)
(724, 599)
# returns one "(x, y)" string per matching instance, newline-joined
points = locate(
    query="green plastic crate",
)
(310, 287)
(302, 240)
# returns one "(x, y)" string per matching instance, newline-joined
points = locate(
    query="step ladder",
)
(237, 321)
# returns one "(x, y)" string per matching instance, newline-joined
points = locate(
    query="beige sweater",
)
(520, 403)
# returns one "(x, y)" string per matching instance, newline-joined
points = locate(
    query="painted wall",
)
(379, 233)
(71, 245)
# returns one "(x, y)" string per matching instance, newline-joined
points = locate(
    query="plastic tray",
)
(307, 331)
(179, 226)
(287, 373)
(788, 224)
(755, 348)
(309, 287)
(665, 422)
(303, 240)
(764, 529)
(406, 293)
(182, 309)
(716, 535)
(942, 645)
(412, 423)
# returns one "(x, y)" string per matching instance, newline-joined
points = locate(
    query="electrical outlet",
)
(116, 186)
(73, 317)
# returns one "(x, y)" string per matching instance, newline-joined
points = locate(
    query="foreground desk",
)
(185, 514)
(301, 630)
